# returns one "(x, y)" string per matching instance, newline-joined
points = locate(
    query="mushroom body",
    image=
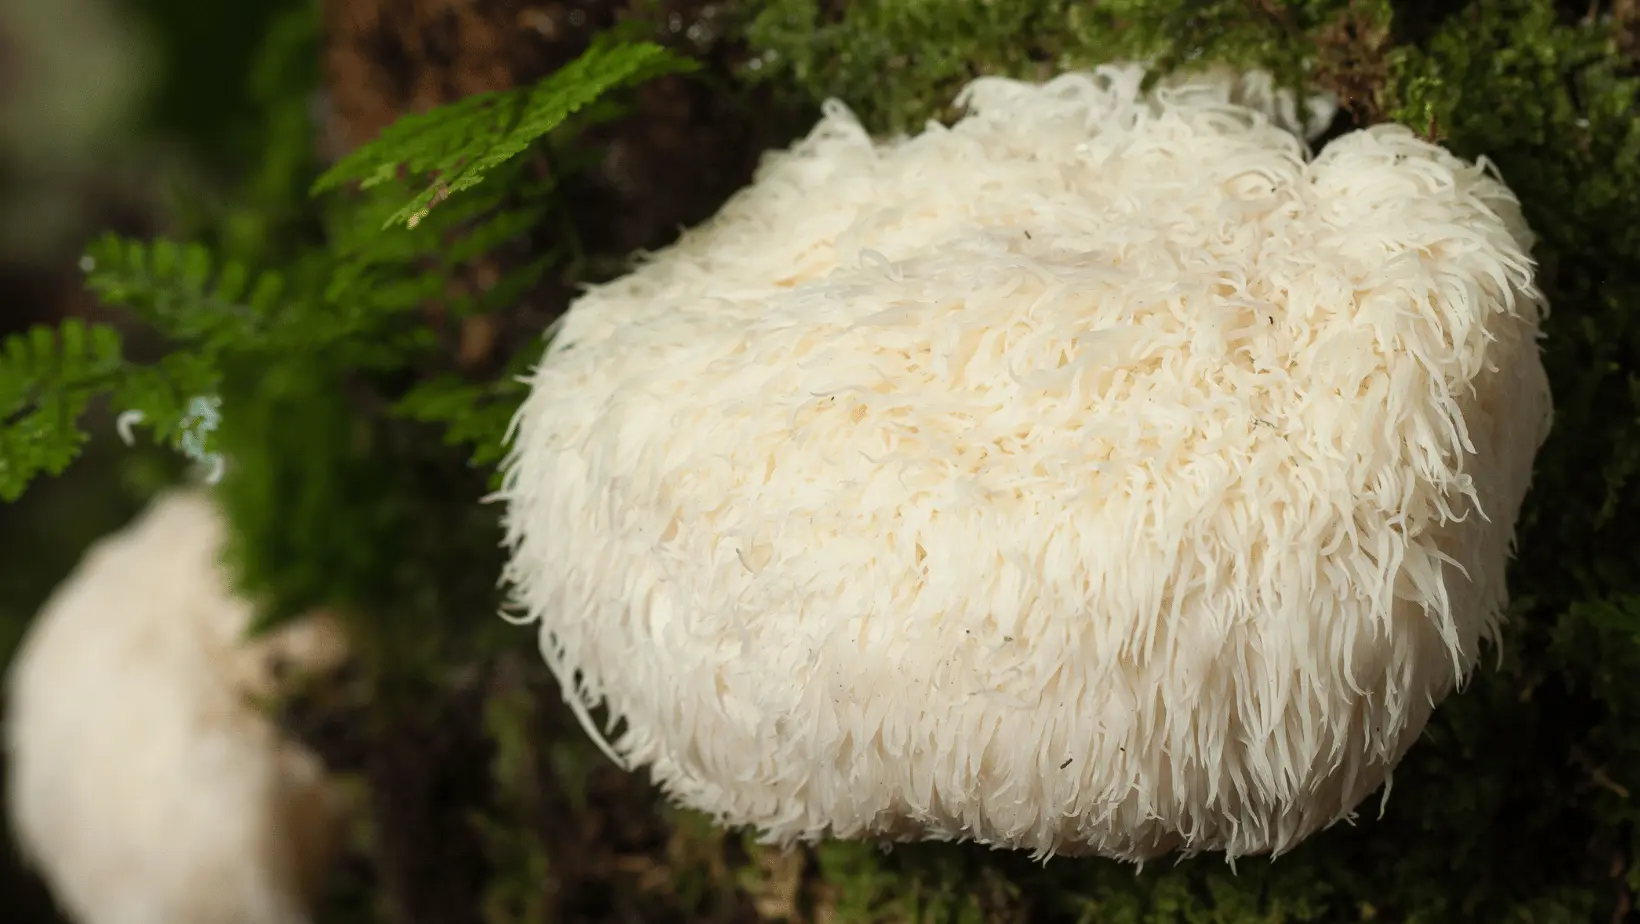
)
(1101, 474)
(143, 782)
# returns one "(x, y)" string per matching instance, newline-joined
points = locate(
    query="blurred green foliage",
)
(190, 40)
(201, 49)
(357, 439)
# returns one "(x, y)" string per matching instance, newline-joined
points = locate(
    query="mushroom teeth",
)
(1104, 473)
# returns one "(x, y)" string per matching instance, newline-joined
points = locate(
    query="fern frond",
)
(180, 291)
(48, 378)
(461, 143)
(161, 393)
(507, 291)
(345, 300)
(214, 309)
(361, 227)
(472, 414)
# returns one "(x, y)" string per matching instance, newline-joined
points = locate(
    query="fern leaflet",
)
(472, 414)
(47, 379)
(461, 143)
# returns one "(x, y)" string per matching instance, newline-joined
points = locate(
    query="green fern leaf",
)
(461, 143)
(177, 289)
(215, 309)
(160, 393)
(48, 377)
(472, 414)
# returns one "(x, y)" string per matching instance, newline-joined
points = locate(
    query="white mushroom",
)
(144, 783)
(1103, 474)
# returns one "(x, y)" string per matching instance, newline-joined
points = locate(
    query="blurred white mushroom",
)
(145, 783)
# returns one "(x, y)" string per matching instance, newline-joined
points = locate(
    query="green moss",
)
(930, 883)
(901, 63)
(518, 891)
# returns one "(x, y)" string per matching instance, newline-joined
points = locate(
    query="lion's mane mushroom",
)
(1102, 474)
(143, 782)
